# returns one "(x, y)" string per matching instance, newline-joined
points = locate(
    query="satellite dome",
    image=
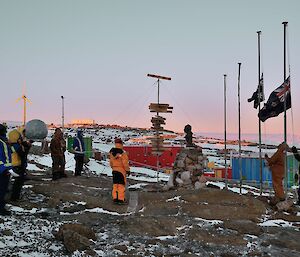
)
(36, 130)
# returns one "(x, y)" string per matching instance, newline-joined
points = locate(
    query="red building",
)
(141, 156)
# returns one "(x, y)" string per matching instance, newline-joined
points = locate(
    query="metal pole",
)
(157, 133)
(157, 92)
(285, 129)
(259, 122)
(240, 150)
(225, 135)
(62, 113)
(24, 109)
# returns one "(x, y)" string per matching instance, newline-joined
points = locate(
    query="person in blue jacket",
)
(78, 150)
(5, 166)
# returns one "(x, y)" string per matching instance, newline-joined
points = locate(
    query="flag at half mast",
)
(275, 103)
(258, 96)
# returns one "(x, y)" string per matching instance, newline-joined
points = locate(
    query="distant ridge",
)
(274, 139)
(11, 123)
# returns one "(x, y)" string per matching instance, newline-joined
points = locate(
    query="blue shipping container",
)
(250, 170)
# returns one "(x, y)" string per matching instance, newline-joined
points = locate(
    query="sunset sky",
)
(97, 54)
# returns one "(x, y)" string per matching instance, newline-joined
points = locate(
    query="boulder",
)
(186, 177)
(74, 241)
(79, 228)
(284, 205)
(75, 237)
(170, 183)
(199, 185)
(179, 181)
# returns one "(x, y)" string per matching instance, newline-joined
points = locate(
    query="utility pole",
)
(225, 135)
(239, 111)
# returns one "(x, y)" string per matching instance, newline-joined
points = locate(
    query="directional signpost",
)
(157, 121)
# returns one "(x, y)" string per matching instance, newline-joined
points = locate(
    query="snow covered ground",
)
(28, 233)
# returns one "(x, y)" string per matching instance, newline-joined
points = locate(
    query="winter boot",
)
(4, 212)
(55, 176)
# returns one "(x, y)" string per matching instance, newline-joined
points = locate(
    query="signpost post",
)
(157, 141)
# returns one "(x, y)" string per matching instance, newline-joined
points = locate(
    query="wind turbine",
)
(25, 100)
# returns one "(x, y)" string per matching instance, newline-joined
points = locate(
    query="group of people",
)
(14, 149)
(13, 162)
(58, 148)
(119, 162)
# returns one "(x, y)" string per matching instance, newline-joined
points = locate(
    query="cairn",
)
(189, 165)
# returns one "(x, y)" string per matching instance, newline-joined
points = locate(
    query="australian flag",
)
(257, 96)
(275, 103)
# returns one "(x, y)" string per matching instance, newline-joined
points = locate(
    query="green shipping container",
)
(88, 143)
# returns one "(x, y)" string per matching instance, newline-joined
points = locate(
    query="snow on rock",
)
(33, 167)
(96, 210)
(276, 223)
(166, 237)
(208, 223)
(137, 186)
(221, 185)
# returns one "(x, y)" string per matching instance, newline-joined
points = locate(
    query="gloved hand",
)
(5, 173)
(14, 174)
(128, 172)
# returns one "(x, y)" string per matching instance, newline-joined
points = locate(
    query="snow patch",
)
(162, 238)
(137, 186)
(176, 198)
(208, 223)
(276, 223)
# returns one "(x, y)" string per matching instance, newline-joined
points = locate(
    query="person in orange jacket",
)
(119, 163)
(276, 164)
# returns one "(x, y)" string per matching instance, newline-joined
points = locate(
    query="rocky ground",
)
(182, 222)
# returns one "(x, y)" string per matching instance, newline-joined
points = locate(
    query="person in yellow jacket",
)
(119, 163)
(20, 149)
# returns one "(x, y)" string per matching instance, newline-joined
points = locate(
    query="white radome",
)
(36, 130)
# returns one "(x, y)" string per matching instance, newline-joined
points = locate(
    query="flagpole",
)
(259, 122)
(239, 106)
(285, 126)
(157, 133)
(225, 135)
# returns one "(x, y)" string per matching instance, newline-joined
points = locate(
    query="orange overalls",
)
(276, 164)
(119, 163)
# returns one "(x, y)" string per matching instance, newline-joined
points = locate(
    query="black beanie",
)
(3, 129)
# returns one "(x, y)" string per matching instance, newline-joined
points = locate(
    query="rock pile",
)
(188, 168)
(76, 237)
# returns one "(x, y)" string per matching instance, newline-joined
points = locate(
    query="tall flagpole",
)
(225, 134)
(240, 150)
(157, 132)
(62, 113)
(285, 130)
(259, 122)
